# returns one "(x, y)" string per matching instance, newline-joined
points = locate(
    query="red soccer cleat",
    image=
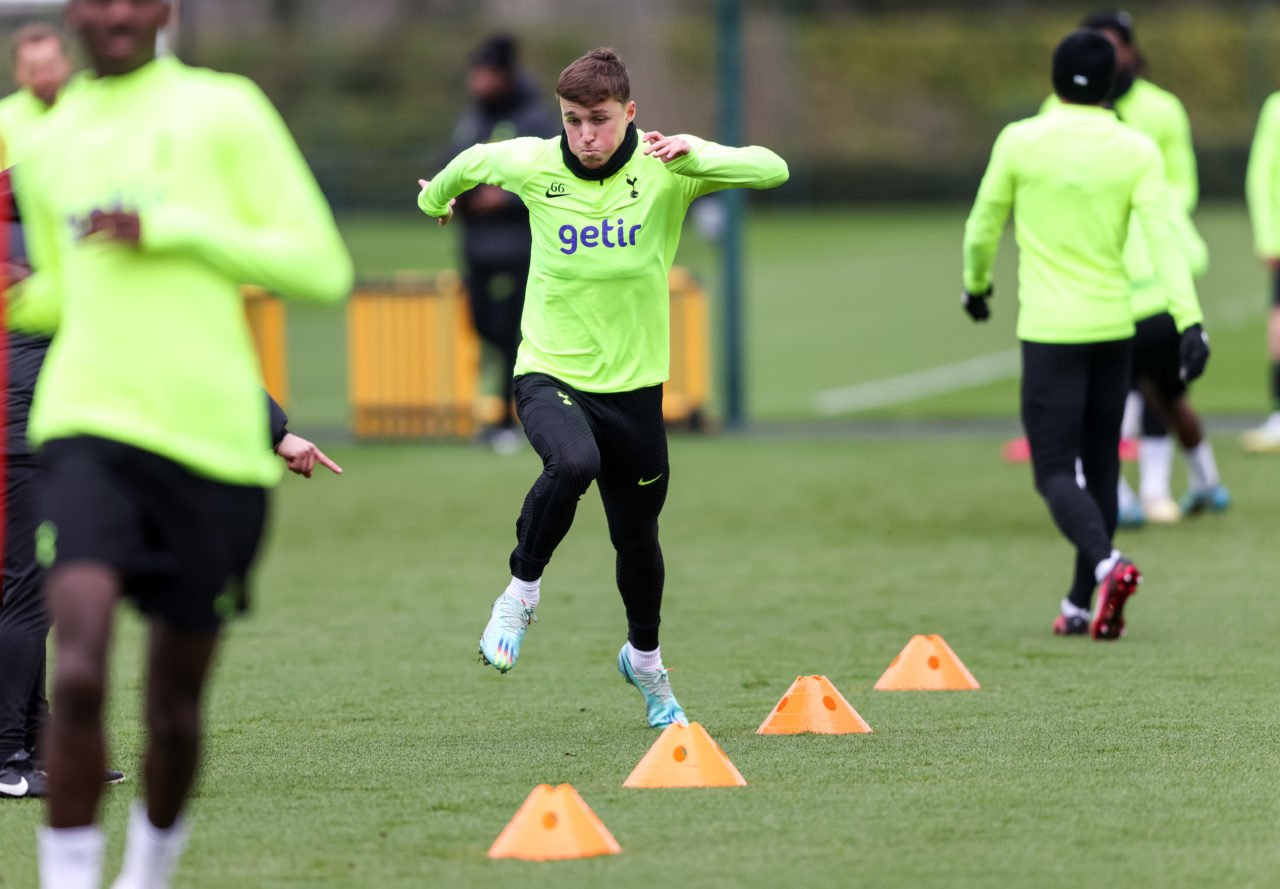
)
(1113, 593)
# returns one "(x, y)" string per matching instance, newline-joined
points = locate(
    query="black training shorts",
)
(183, 544)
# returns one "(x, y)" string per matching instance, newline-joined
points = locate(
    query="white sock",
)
(70, 857)
(1202, 467)
(644, 660)
(1131, 424)
(527, 591)
(1155, 464)
(1081, 481)
(1128, 500)
(1104, 567)
(1070, 609)
(150, 854)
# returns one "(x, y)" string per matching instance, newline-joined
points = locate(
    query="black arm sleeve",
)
(279, 421)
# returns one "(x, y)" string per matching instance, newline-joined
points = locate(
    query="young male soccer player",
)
(154, 191)
(1072, 177)
(1262, 190)
(605, 214)
(1159, 114)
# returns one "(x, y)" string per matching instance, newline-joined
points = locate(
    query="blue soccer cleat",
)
(500, 641)
(1215, 499)
(1130, 515)
(662, 706)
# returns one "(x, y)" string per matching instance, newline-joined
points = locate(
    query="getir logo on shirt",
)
(606, 234)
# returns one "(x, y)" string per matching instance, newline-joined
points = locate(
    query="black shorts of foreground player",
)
(1076, 174)
(606, 204)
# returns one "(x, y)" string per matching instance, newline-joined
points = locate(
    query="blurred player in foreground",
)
(1073, 176)
(606, 204)
(152, 193)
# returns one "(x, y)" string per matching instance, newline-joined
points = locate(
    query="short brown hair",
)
(596, 77)
(36, 32)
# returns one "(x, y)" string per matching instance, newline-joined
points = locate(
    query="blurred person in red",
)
(42, 69)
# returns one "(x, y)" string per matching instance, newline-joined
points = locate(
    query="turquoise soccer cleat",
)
(1215, 499)
(1131, 516)
(500, 641)
(663, 708)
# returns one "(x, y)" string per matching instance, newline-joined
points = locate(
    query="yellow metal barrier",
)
(687, 394)
(267, 325)
(413, 358)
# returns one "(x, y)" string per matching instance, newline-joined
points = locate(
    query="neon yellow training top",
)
(1072, 176)
(1262, 181)
(20, 112)
(152, 347)
(596, 312)
(1160, 115)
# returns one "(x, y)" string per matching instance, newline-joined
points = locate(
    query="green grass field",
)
(836, 298)
(354, 741)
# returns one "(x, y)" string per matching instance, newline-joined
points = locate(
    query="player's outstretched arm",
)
(284, 238)
(1261, 184)
(504, 164)
(1180, 160)
(986, 220)
(301, 456)
(716, 167)
(1153, 205)
(424, 184)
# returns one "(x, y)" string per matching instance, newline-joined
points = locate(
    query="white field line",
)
(920, 384)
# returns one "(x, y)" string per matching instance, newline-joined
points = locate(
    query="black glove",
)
(975, 304)
(1193, 352)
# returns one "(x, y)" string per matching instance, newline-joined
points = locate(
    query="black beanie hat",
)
(497, 52)
(1111, 20)
(1084, 64)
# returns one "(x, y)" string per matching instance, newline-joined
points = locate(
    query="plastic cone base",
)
(554, 823)
(685, 756)
(813, 704)
(927, 664)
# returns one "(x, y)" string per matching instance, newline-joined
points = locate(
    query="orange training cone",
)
(812, 704)
(554, 823)
(927, 664)
(684, 756)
